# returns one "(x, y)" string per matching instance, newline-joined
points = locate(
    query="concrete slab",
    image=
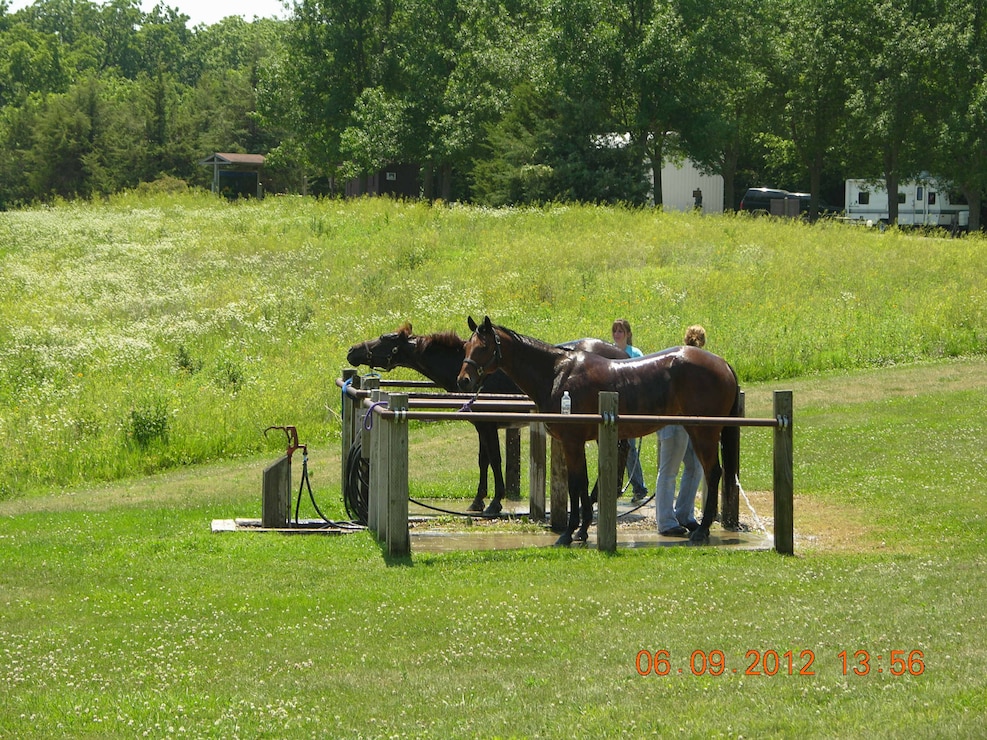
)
(304, 526)
(438, 541)
(635, 529)
(432, 531)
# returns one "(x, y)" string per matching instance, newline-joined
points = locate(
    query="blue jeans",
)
(634, 472)
(676, 450)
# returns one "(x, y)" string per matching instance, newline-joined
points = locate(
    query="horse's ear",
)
(471, 323)
(405, 328)
(487, 325)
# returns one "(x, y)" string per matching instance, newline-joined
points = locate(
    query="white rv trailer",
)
(920, 203)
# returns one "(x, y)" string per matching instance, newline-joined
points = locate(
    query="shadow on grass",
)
(389, 559)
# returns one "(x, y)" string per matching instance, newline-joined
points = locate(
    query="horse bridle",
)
(481, 371)
(390, 364)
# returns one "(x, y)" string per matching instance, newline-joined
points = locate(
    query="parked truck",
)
(923, 202)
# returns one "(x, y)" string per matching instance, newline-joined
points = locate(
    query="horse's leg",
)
(623, 452)
(581, 502)
(587, 515)
(623, 448)
(483, 462)
(730, 447)
(575, 462)
(705, 441)
(497, 466)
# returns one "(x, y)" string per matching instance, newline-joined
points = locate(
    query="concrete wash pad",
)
(433, 529)
(635, 529)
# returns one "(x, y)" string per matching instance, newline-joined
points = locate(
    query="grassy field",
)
(145, 345)
(145, 334)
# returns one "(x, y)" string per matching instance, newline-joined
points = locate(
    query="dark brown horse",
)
(439, 358)
(681, 381)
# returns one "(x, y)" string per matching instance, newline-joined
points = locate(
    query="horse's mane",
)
(443, 338)
(447, 339)
(524, 338)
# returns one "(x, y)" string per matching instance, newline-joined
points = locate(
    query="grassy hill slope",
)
(143, 334)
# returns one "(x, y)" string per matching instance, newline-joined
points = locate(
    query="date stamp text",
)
(775, 663)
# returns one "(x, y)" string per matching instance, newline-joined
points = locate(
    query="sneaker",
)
(678, 531)
(691, 526)
(639, 497)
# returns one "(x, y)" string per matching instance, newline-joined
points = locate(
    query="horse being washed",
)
(681, 381)
(439, 358)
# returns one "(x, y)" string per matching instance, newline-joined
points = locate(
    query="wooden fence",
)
(381, 420)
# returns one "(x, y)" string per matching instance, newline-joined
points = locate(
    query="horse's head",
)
(385, 352)
(482, 352)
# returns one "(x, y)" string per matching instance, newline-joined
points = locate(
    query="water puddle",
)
(440, 541)
(635, 530)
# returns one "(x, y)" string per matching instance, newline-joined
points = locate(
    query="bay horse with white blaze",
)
(680, 381)
(439, 358)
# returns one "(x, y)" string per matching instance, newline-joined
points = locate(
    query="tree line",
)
(96, 98)
(500, 102)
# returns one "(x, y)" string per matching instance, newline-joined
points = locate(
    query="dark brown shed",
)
(400, 180)
(236, 175)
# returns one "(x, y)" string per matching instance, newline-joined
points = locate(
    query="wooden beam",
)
(607, 476)
(784, 487)
(537, 438)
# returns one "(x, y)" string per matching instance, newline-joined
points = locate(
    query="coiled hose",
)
(356, 486)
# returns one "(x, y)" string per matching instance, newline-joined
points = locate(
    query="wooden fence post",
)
(371, 450)
(606, 479)
(512, 462)
(536, 472)
(559, 514)
(784, 475)
(347, 429)
(363, 383)
(396, 430)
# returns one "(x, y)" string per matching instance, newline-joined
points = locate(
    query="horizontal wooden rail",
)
(392, 383)
(478, 411)
(520, 405)
(691, 421)
(519, 398)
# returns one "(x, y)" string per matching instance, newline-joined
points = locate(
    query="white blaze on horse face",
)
(465, 379)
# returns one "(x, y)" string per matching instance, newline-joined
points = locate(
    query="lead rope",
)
(368, 419)
(468, 406)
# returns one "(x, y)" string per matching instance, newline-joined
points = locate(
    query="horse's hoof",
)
(580, 537)
(494, 508)
(699, 537)
(477, 504)
(564, 541)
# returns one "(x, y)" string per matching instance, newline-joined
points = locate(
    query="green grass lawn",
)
(123, 615)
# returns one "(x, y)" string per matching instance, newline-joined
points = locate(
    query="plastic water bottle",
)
(566, 403)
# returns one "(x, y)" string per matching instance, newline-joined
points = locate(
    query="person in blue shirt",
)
(624, 338)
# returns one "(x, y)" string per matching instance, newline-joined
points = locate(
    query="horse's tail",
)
(730, 450)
